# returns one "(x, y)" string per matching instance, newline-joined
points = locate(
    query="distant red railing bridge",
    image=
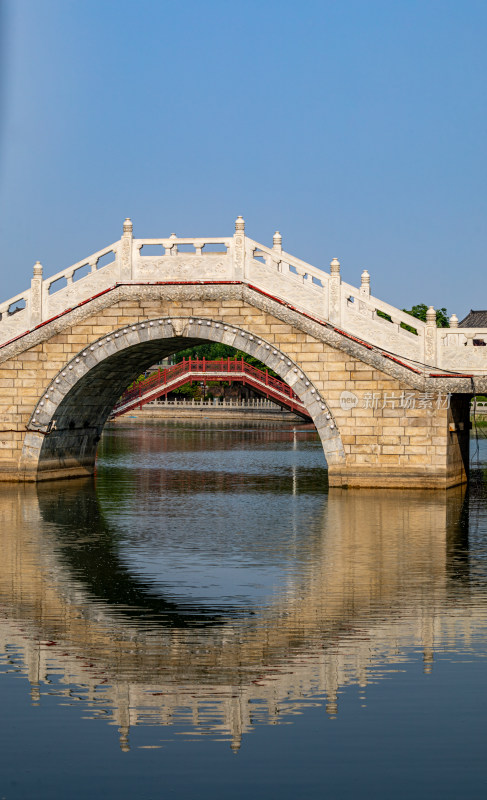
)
(167, 379)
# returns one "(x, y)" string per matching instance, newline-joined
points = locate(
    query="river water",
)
(207, 619)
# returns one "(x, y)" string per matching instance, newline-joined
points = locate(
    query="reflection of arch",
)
(66, 425)
(100, 573)
(349, 614)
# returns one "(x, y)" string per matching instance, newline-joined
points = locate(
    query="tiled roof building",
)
(474, 319)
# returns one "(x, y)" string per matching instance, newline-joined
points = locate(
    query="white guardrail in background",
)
(270, 269)
(218, 402)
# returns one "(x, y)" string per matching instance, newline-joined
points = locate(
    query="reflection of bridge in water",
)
(364, 600)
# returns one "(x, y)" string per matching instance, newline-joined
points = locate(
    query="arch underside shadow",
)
(66, 426)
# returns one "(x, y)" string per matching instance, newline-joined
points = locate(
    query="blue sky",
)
(358, 128)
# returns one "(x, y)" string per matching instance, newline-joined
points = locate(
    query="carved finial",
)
(173, 236)
(127, 225)
(365, 284)
(239, 225)
(335, 266)
(37, 269)
(431, 316)
(453, 321)
(277, 241)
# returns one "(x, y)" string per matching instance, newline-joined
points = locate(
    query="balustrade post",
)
(239, 250)
(430, 336)
(365, 284)
(173, 247)
(335, 300)
(35, 300)
(126, 251)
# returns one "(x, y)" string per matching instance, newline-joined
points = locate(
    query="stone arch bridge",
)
(389, 394)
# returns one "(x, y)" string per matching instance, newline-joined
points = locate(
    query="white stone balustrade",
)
(8, 312)
(309, 289)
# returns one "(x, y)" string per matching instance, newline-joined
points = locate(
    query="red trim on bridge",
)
(166, 379)
(398, 361)
(284, 303)
(353, 338)
(449, 375)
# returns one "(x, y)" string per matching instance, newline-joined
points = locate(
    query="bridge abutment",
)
(425, 446)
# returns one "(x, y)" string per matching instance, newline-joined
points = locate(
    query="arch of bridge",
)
(75, 405)
(55, 397)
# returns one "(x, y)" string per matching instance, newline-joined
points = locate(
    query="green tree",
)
(189, 391)
(209, 350)
(213, 351)
(420, 310)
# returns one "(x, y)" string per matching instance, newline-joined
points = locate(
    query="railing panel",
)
(13, 323)
(312, 299)
(277, 256)
(360, 319)
(75, 293)
(91, 260)
(14, 315)
(184, 259)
